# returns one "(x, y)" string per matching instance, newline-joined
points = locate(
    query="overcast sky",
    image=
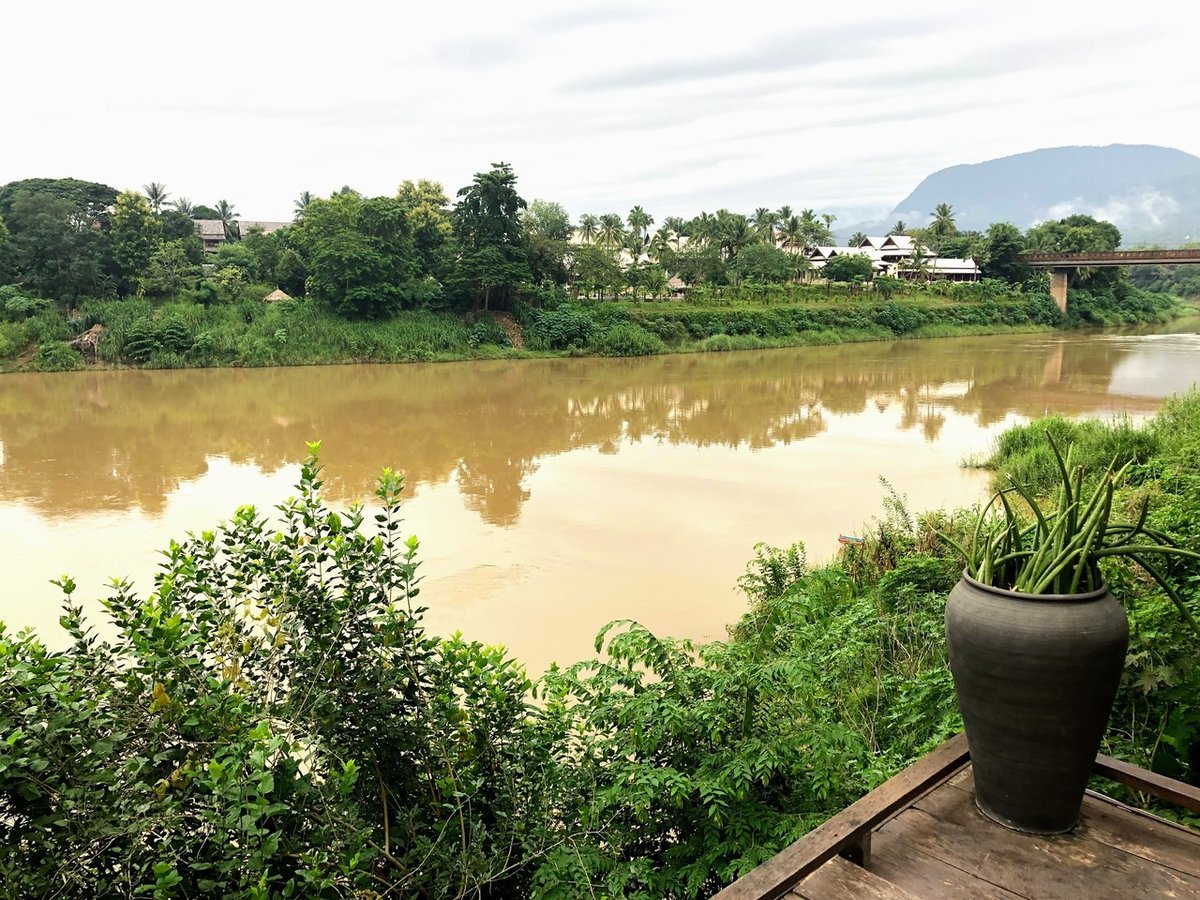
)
(676, 106)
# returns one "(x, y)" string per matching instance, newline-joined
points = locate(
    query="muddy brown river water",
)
(551, 496)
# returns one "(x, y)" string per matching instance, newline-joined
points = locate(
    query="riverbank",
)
(137, 333)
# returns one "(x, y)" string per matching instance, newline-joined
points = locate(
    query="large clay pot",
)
(1036, 676)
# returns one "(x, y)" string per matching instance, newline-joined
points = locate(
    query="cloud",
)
(573, 20)
(1145, 208)
(789, 51)
(479, 53)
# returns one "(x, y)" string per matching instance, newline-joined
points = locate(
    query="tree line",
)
(370, 257)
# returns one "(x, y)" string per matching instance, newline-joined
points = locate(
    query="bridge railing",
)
(1114, 257)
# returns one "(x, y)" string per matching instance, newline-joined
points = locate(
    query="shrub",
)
(271, 721)
(488, 331)
(13, 339)
(629, 340)
(17, 307)
(141, 339)
(565, 326)
(55, 357)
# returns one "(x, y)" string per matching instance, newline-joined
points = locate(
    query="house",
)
(898, 251)
(212, 231)
(212, 234)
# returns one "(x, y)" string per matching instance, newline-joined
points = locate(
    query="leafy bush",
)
(142, 339)
(560, 328)
(13, 339)
(271, 721)
(55, 357)
(488, 331)
(16, 307)
(629, 340)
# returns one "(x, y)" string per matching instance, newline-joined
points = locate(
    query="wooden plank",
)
(778, 875)
(1139, 779)
(1164, 843)
(897, 859)
(1117, 825)
(1057, 867)
(839, 879)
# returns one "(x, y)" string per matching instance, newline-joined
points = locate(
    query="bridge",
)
(1061, 264)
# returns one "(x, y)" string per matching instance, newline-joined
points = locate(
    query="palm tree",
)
(639, 221)
(703, 228)
(899, 227)
(856, 239)
(943, 219)
(589, 227)
(659, 248)
(942, 225)
(301, 205)
(734, 232)
(611, 230)
(791, 231)
(676, 229)
(157, 195)
(816, 232)
(227, 216)
(764, 222)
(183, 205)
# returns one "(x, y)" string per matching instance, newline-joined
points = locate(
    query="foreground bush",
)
(271, 721)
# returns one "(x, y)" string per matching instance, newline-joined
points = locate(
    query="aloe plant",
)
(1059, 551)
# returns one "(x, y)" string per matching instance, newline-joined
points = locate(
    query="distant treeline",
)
(72, 252)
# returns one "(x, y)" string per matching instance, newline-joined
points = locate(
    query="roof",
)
(947, 264)
(210, 228)
(885, 241)
(276, 295)
(246, 226)
(920, 835)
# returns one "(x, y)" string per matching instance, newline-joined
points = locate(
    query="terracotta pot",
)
(1036, 676)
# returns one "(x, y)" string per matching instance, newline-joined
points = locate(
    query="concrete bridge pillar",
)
(1058, 287)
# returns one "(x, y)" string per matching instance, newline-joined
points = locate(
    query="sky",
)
(679, 107)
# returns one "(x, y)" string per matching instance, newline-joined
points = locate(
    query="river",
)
(550, 496)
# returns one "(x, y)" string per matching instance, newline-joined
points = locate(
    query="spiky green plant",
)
(1059, 551)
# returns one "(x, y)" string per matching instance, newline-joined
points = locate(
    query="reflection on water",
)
(551, 495)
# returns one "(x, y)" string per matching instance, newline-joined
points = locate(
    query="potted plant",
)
(1037, 641)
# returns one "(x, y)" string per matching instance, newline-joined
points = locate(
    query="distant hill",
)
(1151, 193)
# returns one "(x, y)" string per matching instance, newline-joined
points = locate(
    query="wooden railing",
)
(848, 834)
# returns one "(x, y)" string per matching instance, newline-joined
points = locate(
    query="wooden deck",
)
(921, 837)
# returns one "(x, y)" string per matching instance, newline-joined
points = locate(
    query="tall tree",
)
(1001, 254)
(639, 221)
(487, 222)
(228, 217)
(184, 205)
(54, 252)
(611, 231)
(764, 222)
(136, 235)
(589, 228)
(157, 195)
(942, 226)
(360, 256)
(676, 230)
(898, 228)
(428, 210)
(548, 219)
(301, 204)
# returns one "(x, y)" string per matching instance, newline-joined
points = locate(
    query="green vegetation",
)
(410, 276)
(1058, 549)
(273, 719)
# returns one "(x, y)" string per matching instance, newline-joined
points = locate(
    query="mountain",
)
(1151, 193)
